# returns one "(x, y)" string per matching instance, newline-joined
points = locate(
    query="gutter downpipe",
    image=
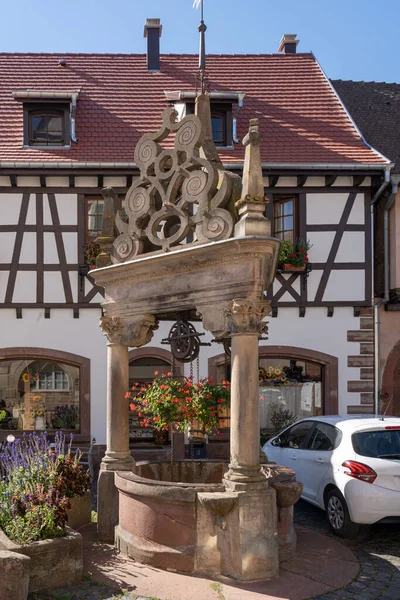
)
(386, 266)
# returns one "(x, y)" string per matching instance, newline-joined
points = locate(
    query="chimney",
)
(288, 43)
(152, 31)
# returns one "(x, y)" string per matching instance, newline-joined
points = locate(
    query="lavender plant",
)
(38, 480)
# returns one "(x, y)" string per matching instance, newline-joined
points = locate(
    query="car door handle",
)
(293, 457)
(320, 460)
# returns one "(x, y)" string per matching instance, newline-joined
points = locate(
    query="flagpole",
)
(202, 52)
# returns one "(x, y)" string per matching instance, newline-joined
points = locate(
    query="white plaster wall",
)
(314, 331)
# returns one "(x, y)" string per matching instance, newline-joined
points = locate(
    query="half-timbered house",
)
(68, 128)
(375, 108)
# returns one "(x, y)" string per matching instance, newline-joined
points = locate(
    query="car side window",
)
(295, 437)
(325, 437)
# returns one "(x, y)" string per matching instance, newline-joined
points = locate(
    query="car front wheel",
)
(338, 515)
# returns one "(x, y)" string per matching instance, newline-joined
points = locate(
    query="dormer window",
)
(221, 122)
(225, 107)
(46, 125)
(49, 118)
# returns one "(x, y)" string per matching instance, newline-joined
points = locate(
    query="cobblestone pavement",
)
(378, 553)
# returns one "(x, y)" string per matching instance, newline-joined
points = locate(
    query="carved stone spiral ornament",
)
(159, 205)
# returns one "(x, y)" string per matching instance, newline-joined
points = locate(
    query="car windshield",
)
(377, 444)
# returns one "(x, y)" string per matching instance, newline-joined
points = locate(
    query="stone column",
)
(247, 545)
(244, 320)
(120, 333)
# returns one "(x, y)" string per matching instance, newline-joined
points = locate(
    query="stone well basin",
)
(160, 504)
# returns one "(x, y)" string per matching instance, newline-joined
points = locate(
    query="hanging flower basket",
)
(180, 403)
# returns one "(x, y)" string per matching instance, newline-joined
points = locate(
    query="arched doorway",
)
(311, 381)
(390, 393)
(144, 363)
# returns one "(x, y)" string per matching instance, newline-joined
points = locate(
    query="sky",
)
(352, 39)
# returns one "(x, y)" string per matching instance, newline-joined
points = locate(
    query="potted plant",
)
(183, 404)
(293, 257)
(39, 480)
(91, 251)
(39, 413)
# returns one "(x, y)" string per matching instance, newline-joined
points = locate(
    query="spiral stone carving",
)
(172, 179)
(217, 226)
(188, 134)
(125, 248)
(194, 185)
(146, 151)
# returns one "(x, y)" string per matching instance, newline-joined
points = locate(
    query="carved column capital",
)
(246, 316)
(112, 328)
(135, 331)
(240, 315)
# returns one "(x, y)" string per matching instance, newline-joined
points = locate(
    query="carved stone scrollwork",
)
(237, 316)
(135, 332)
(159, 205)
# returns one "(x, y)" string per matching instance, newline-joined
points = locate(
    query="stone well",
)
(197, 242)
(173, 515)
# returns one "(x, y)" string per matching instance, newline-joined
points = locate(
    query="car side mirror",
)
(277, 442)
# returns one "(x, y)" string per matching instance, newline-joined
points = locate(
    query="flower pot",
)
(54, 563)
(80, 513)
(40, 423)
(289, 267)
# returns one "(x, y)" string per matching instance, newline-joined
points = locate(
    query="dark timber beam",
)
(301, 179)
(330, 311)
(273, 180)
(330, 180)
(302, 311)
(357, 180)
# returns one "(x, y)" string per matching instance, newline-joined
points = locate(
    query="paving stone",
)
(378, 555)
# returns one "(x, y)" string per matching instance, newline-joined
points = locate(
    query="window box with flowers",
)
(294, 257)
(91, 251)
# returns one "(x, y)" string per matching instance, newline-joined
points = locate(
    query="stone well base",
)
(54, 563)
(179, 516)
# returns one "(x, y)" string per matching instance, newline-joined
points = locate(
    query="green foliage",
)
(91, 251)
(281, 419)
(39, 481)
(294, 254)
(65, 417)
(168, 401)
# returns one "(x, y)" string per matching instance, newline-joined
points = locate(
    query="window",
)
(94, 212)
(46, 125)
(284, 218)
(221, 122)
(325, 437)
(296, 436)
(377, 444)
(39, 394)
(94, 217)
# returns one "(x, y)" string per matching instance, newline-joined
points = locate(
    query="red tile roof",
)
(301, 119)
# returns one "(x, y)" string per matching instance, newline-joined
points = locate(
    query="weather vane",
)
(202, 51)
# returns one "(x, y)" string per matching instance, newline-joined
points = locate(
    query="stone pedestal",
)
(237, 535)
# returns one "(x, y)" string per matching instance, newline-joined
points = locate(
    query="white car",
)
(349, 466)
